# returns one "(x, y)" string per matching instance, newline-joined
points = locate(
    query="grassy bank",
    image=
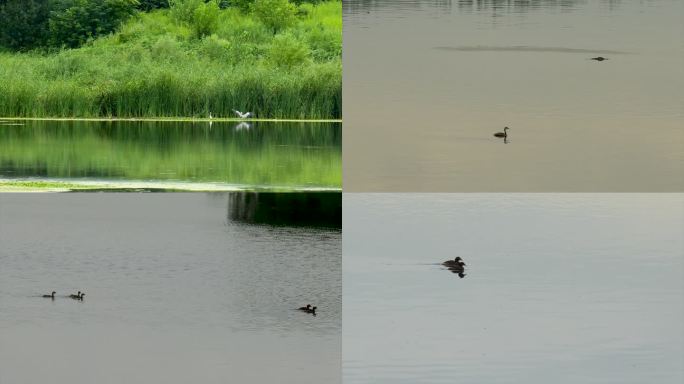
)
(39, 186)
(155, 66)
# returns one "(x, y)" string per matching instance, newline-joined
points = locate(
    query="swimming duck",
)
(455, 264)
(502, 134)
(77, 296)
(599, 58)
(312, 310)
(51, 296)
(307, 308)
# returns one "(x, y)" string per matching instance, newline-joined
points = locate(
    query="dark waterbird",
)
(456, 266)
(308, 309)
(52, 296)
(503, 134)
(456, 263)
(599, 58)
(76, 296)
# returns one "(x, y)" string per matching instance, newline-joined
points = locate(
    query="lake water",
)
(178, 290)
(251, 155)
(563, 288)
(427, 83)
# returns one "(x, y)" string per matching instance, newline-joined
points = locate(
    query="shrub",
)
(183, 11)
(275, 14)
(205, 19)
(215, 48)
(325, 44)
(166, 48)
(287, 51)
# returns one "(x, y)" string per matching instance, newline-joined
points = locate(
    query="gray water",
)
(176, 292)
(564, 288)
(427, 83)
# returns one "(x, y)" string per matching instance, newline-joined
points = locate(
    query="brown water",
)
(427, 83)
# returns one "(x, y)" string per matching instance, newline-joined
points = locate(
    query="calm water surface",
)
(427, 83)
(176, 292)
(558, 288)
(258, 154)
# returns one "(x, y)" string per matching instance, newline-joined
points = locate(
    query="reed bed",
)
(156, 67)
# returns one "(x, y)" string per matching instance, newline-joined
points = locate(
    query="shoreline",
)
(65, 185)
(169, 119)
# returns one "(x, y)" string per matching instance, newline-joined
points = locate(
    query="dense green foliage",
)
(148, 5)
(210, 60)
(76, 21)
(24, 23)
(268, 154)
(28, 24)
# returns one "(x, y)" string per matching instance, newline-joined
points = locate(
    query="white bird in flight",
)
(242, 115)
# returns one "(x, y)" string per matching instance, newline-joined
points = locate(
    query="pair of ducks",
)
(308, 309)
(78, 296)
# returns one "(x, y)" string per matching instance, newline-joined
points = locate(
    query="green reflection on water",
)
(286, 154)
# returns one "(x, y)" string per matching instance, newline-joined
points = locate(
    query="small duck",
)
(306, 309)
(503, 134)
(455, 264)
(76, 296)
(312, 311)
(599, 58)
(52, 296)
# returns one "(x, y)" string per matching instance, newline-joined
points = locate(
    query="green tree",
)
(23, 23)
(76, 21)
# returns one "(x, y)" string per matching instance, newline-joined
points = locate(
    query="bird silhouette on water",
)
(456, 266)
(308, 309)
(503, 134)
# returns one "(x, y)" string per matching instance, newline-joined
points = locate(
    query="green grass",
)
(156, 67)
